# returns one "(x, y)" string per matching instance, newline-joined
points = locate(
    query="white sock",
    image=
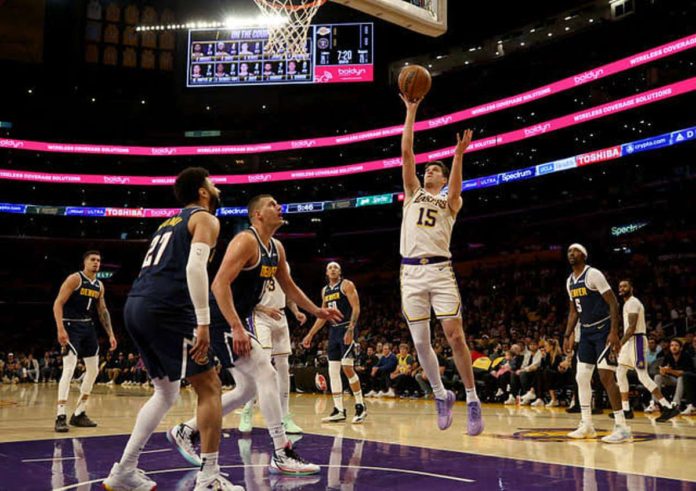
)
(282, 367)
(81, 404)
(338, 401)
(665, 403)
(149, 416)
(625, 406)
(336, 384)
(355, 380)
(359, 397)
(280, 439)
(209, 464)
(61, 410)
(420, 332)
(471, 395)
(586, 414)
(619, 418)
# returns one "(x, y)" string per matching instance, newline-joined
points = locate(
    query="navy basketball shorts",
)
(221, 340)
(337, 349)
(82, 338)
(164, 337)
(593, 347)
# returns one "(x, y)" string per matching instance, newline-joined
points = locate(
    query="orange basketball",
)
(414, 82)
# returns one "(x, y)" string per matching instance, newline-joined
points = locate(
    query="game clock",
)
(231, 57)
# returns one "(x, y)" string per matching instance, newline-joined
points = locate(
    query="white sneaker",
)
(390, 393)
(510, 400)
(183, 438)
(621, 434)
(128, 480)
(585, 430)
(499, 393)
(538, 403)
(286, 461)
(552, 403)
(372, 393)
(215, 483)
(652, 407)
(689, 411)
(528, 397)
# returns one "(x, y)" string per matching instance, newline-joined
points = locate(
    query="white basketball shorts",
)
(429, 286)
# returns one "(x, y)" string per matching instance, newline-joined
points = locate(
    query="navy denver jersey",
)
(589, 303)
(82, 303)
(163, 273)
(335, 298)
(248, 287)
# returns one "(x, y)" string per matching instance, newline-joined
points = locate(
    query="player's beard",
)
(215, 203)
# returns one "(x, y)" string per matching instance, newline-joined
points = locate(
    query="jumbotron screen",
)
(232, 57)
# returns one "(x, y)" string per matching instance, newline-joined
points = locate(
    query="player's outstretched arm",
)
(241, 251)
(294, 293)
(454, 187)
(105, 319)
(69, 285)
(408, 157)
(204, 229)
(354, 300)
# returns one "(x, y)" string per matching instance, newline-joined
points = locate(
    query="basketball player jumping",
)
(634, 347)
(427, 277)
(340, 293)
(81, 296)
(593, 302)
(274, 335)
(252, 258)
(166, 303)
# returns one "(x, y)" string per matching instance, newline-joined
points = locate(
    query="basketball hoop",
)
(289, 38)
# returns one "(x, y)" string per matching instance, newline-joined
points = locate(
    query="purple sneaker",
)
(474, 425)
(444, 410)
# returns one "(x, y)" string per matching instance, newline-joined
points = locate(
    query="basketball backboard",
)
(427, 17)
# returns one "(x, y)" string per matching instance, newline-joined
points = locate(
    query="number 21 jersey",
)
(426, 226)
(163, 273)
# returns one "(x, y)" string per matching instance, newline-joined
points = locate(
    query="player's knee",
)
(167, 392)
(583, 374)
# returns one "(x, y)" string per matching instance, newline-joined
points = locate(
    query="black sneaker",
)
(61, 425)
(82, 421)
(668, 414)
(573, 409)
(335, 416)
(360, 414)
(627, 414)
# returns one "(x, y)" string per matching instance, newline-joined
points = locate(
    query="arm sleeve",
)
(197, 281)
(597, 281)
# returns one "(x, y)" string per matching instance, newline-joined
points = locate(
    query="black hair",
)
(630, 282)
(445, 170)
(187, 184)
(90, 253)
(678, 341)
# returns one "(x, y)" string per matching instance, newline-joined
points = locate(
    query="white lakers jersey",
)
(426, 226)
(634, 306)
(273, 295)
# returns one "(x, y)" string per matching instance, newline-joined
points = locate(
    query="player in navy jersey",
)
(80, 298)
(252, 258)
(167, 314)
(594, 304)
(340, 293)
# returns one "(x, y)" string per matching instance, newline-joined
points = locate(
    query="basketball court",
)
(399, 445)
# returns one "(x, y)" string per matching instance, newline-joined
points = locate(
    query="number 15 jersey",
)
(163, 273)
(426, 226)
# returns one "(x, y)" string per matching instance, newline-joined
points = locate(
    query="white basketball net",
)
(289, 38)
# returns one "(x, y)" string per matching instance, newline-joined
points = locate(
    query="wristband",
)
(203, 316)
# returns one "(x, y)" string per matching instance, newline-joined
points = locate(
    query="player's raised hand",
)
(463, 142)
(411, 105)
(241, 342)
(201, 344)
(330, 314)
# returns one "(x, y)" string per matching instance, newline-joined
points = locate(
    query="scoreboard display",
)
(229, 57)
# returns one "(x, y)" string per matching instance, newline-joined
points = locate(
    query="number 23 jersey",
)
(163, 273)
(426, 226)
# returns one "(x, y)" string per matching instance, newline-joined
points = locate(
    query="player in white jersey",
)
(274, 335)
(633, 354)
(427, 277)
